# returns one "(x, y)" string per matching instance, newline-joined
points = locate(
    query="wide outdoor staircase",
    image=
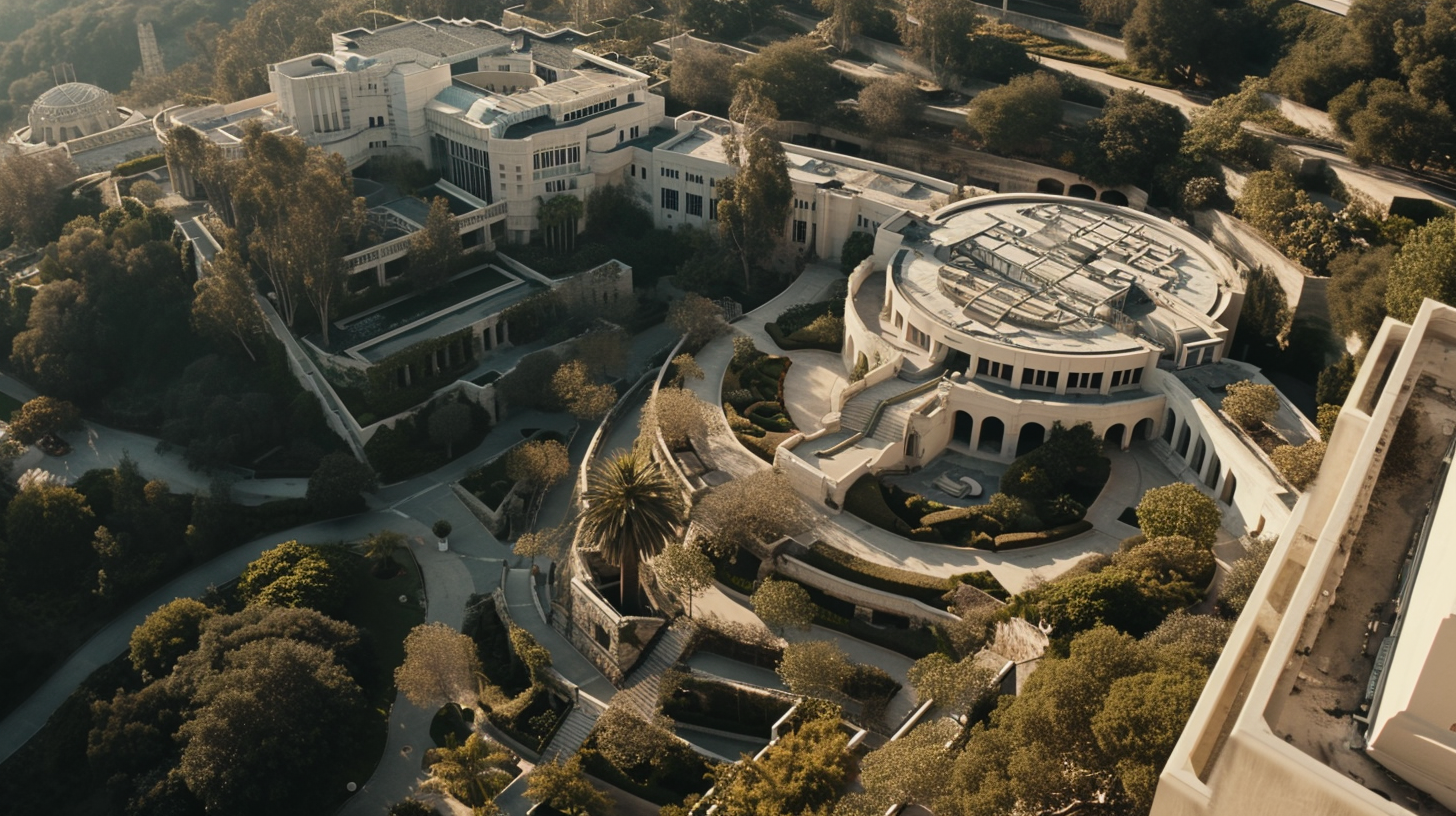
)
(857, 413)
(880, 413)
(573, 732)
(641, 688)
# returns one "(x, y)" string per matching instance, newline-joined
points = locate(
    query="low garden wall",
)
(861, 595)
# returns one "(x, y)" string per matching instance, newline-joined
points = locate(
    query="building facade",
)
(1333, 694)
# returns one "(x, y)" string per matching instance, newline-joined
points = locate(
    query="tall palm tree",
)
(632, 512)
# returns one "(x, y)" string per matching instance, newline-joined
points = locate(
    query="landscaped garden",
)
(438, 433)
(810, 326)
(644, 758)
(1044, 497)
(492, 482)
(753, 399)
(709, 703)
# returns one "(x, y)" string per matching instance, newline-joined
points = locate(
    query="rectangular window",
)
(1052, 379)
(918, 337)
(555, 157)
(1137, 375)
(693, 204)
(636, 131)
(669, 199)
(899, 320)
(713, 209)
(1097, 381)
(1116, 378)
(801, 231)
(983, 366)
(1028, 376)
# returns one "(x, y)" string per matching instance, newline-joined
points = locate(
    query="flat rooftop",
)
(888, 185)
(439, 38)
(1044, 273)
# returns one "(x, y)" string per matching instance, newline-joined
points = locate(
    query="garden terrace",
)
(465, 299)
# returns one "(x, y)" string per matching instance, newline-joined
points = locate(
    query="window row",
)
(556, 157)
(994, 370)
(668, 172)
(669, 199)
(1127, 377)
(589, 110)
(1039, 378)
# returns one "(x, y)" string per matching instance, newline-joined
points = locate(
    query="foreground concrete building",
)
(1335, 692)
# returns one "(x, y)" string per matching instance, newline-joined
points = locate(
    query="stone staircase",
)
(641, 688)
(857, 413)
(573, 732)
(893, 421)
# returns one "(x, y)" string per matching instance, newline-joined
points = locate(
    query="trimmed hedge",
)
(787, 343)
(923, 588)
(866, 500)
(141, 164)
(1015, 541)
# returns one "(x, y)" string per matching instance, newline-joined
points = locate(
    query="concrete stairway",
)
(572, 733)
(857, 413)
(641, 687)
(893, 420)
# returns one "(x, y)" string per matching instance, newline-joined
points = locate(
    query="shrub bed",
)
(141, 164)
(710, 704)
(923, 588)
(681, 773)
(809, 326)
(533, 724)
(1015, 541)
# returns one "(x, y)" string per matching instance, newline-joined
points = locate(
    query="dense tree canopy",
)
(753, 203)
(937, 33)
(795, 75)
(1096, 725)
(1169, 36)
(1132, 138)
(1357, 292)
(1014, 117)
(242, 723)
(889, 106)
(1179, 509)
(1425, 267)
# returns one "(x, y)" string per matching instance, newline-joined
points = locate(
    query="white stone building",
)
(979, 327)
(1334, 694)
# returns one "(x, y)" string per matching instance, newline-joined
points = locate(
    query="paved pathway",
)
(115, 637)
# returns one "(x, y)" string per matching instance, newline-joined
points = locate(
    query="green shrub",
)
(1015, 541)
(141, 164)
(866, 499)
(982, 580)
(836, 562)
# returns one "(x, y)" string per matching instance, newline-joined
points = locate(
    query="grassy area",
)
(374, 606)
(1048, 47)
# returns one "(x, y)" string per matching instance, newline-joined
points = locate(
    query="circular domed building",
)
(71, 111)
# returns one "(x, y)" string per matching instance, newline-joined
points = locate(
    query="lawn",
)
(374, 606)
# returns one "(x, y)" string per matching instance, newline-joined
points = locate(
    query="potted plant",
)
(442, 530)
